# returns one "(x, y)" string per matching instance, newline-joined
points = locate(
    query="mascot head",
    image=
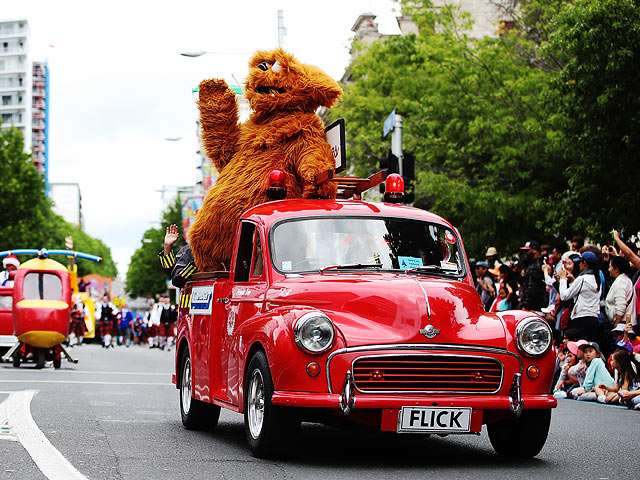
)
(277, 82)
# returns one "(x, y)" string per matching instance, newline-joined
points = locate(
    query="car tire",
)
(16, 358)
(40, 358)
(195, 414)
(269, 428)
(521, 437)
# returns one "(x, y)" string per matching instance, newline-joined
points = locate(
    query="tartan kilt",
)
(115, 331)
(103, 328)
(152, 331)
(78, 326)
(168, 330)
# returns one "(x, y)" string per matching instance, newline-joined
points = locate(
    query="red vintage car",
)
(350, 311)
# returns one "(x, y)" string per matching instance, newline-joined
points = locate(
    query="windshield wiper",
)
(429, 268)
(351, 266)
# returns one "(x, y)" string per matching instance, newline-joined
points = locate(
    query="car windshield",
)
(313, 244)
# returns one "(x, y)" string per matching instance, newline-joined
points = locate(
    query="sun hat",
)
(531, 245)
(590, 344)
(491, 251)
(589, 257)
(575, 346)
(626, 345)
(618, 328)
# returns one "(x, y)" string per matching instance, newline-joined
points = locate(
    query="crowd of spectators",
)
(116, 324)
(589, 295)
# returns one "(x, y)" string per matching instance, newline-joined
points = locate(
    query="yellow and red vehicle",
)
(41, 306)
(7, 338)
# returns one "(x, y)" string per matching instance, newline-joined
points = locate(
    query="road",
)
(115, 415)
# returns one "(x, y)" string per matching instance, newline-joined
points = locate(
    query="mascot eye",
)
(264, 66)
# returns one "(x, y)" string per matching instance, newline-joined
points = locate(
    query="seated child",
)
(566, 381)
(597, 373)
(575, 373)
(626, 390)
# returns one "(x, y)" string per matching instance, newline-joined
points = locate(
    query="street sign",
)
(335, 136)
(389, 123)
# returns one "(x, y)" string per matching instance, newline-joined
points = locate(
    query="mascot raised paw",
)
(283, 133)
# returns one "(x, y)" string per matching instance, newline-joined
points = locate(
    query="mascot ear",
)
(322, 88)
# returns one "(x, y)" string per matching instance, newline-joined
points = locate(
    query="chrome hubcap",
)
(255, 403)
(185, 390)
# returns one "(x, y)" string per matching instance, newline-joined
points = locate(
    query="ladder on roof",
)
(351, 187)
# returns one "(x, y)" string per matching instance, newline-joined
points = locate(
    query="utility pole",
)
(396, 142)
(281, 30)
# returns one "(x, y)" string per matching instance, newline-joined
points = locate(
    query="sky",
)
(119, 88)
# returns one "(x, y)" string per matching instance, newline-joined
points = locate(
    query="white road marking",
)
(62, 370)
(49, 460)
(89, 382)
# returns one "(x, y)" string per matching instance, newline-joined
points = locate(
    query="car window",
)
(42, 286)
(258, 265)
(245, 252)
(392, 243)
(6, 301)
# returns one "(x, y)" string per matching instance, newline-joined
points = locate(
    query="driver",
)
(10, 264)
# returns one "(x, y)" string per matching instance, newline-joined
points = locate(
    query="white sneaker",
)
(560, 394)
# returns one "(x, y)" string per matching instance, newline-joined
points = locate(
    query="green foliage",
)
(24, 208)
(26, 218)
(474, 117)
(145, 276)
(598, 108)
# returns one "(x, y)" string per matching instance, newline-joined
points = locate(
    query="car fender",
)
(546, 362)
(272, 332)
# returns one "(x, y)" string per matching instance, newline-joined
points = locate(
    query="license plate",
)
(434, 420)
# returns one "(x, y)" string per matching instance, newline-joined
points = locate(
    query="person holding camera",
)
(586, 291)
(620, 303)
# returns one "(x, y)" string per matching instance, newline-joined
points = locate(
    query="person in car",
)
(10, 264)
(178, 267)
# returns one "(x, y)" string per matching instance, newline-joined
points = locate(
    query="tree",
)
(596, 99)
(474, 117)
(24, 208)
(26, 218)
(145, 276)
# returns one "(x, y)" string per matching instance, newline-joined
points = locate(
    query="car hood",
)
(387, 308)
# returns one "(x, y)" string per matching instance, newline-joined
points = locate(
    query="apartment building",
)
(24, 91)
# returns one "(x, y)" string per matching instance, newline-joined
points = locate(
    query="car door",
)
(247, 300)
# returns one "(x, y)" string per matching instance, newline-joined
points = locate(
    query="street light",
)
(199, 53)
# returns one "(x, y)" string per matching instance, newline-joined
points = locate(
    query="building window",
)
(6, 100)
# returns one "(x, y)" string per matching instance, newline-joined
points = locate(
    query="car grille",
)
(427, 373)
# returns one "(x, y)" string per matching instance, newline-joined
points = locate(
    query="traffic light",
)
(409, 174)
(390, 163)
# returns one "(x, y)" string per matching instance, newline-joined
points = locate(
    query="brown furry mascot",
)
(282, 133)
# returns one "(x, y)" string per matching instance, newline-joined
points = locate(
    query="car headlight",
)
(314, 332)
(533, 336)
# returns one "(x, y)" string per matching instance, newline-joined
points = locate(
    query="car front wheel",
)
(196, 415)
(268, 427)
(521, 437)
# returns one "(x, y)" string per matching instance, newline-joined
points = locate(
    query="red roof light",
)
(276, 185)
(394, 189)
